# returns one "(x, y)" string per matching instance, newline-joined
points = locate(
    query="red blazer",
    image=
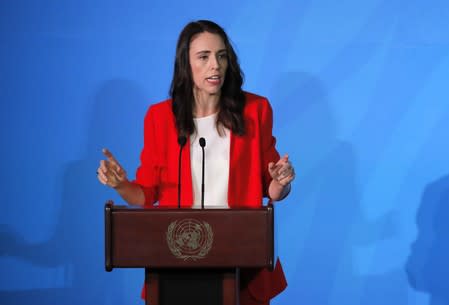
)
(248, 173)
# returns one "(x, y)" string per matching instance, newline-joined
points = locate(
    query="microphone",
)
(182, 142)
(202, 144)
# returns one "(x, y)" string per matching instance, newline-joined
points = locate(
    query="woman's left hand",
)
(282, 172)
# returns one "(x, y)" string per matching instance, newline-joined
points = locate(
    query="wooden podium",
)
(190, 256)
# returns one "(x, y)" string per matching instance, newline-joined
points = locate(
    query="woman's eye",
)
(204, 57)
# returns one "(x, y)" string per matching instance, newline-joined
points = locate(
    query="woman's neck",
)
(205, 104)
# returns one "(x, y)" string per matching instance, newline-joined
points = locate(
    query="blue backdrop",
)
(360, 95)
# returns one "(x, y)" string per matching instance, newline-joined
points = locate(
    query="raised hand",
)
(110, 172)
(282, 172)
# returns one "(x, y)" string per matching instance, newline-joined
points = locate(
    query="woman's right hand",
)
(110, 172)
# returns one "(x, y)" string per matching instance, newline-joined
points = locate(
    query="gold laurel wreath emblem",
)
(198, 240)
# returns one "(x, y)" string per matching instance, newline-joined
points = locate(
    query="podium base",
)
(192, 286)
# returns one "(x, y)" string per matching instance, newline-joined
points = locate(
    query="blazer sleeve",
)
(148, 173)
(268, 142)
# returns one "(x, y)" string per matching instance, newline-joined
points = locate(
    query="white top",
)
(216, 168)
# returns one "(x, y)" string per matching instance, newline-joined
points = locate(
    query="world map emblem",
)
(189, 238)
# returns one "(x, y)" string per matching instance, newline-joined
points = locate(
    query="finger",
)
(287, 171)
(283, 160)
(107, 153)
(112, 170)
(274, 171)
(113, 161)
(291, 176)
(101, 172)
(285, 163)
(103, 166)
(286, 180)
(110, 156)
(285, 168)
(118, 177)
(119, 169)
(102, 178)
(272, 167)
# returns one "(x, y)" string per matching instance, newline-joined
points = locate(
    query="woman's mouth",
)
(214, 80)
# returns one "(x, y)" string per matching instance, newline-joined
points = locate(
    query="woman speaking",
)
(243, 166)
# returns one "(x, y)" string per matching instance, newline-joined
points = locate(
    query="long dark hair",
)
(232, 98)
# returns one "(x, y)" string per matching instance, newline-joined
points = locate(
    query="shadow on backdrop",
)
(427, 266)
(77, 243)
(327, 222)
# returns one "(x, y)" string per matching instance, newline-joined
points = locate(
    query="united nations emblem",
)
(189, 238)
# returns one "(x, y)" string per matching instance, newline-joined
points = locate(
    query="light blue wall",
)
(361, 101)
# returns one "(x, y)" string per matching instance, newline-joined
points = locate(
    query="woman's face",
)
(208, 61)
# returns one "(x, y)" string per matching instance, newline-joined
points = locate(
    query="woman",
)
(243, 165)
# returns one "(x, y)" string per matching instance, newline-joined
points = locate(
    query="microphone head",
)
(182, 140)
(202, 142)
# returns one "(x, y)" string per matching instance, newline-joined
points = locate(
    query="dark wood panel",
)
(235, 238)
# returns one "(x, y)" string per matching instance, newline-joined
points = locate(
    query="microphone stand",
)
(202, 144)
(181, 141)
